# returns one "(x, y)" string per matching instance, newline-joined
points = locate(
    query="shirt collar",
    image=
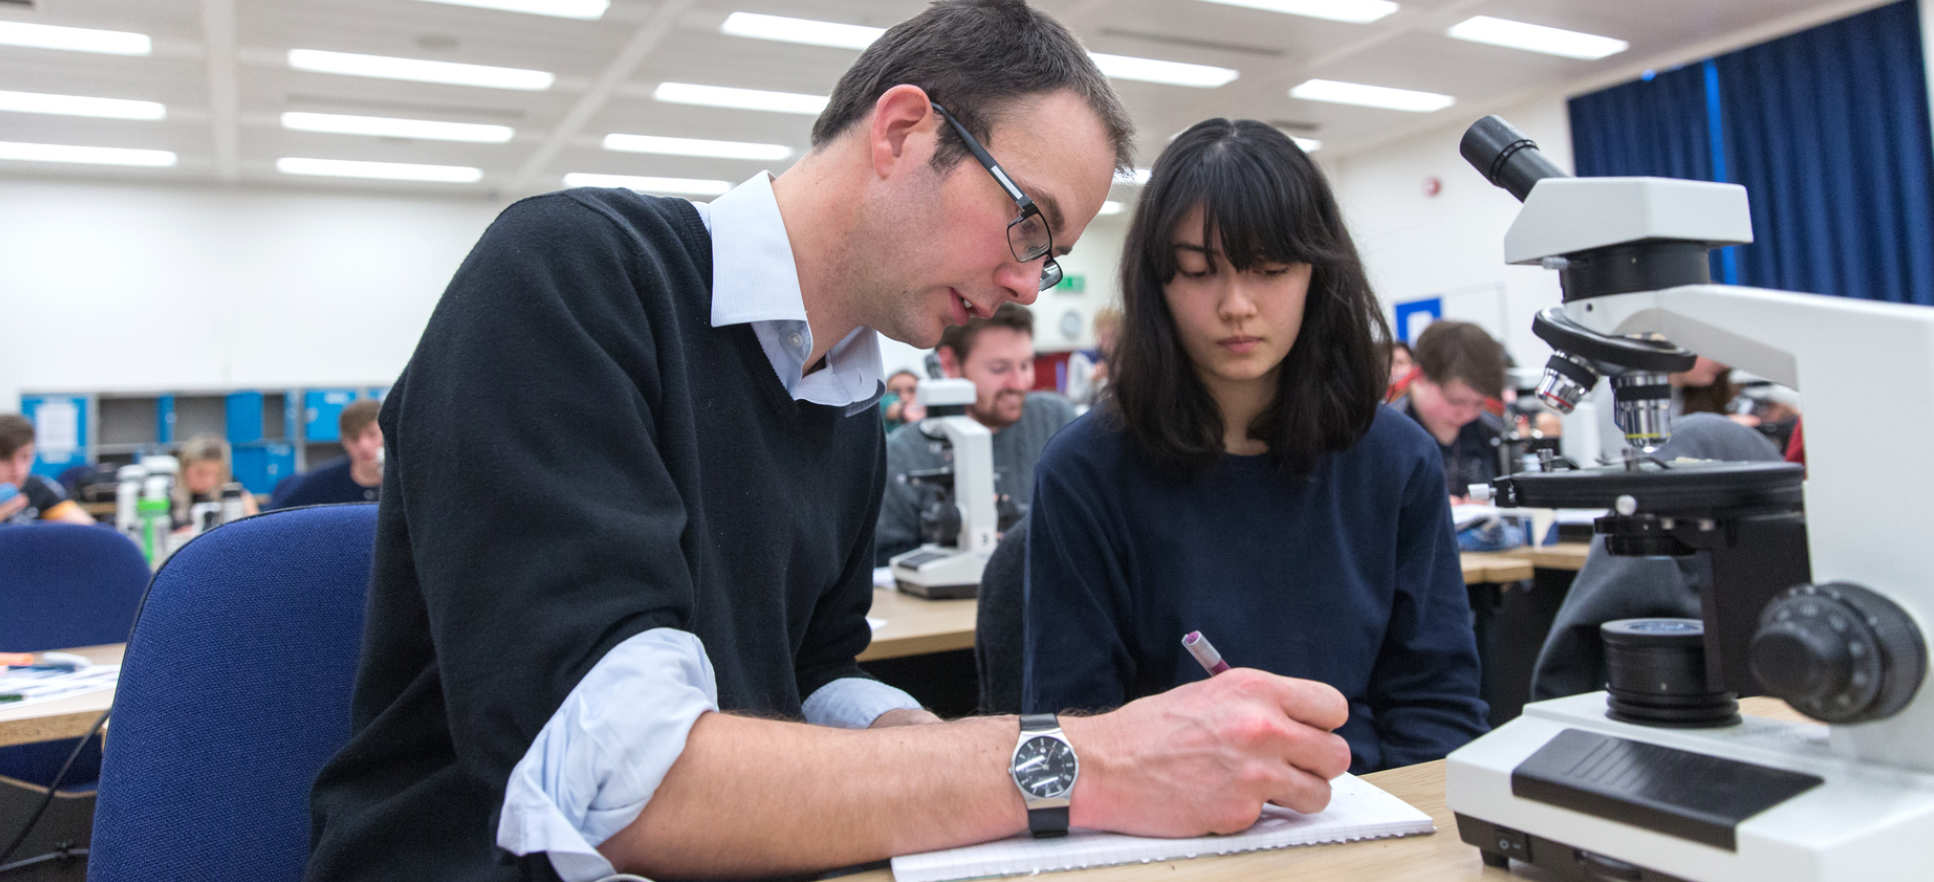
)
(755, 281)
(754, 277)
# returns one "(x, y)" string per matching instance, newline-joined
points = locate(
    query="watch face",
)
(1045, 766)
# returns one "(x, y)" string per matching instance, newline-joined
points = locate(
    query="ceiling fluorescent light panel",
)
(1536, 38)
(81, 105)
(419, 70)
(586, 10)
(740, 99)
(386, 171)
(1352, 11)
(39, 36)
(388, 127)
(1384, 97)
(691, 186)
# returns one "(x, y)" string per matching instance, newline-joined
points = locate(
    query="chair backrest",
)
(997, 623)
(234, 691)
(65, 585)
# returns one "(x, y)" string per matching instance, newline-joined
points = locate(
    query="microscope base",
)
(938, 573)
(1566, 789)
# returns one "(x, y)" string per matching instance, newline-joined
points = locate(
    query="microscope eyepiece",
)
(1505, 157)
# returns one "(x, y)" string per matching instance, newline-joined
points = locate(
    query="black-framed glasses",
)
(1028, 235)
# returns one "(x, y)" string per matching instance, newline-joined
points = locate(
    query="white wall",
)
(130, 286)
(1452, 244)
(127, 286)
(1095, 258)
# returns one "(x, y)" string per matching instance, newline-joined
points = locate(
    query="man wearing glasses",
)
(626, 529)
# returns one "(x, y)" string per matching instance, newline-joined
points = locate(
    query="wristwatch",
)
(1044, 768)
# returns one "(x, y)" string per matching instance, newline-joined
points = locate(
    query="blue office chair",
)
(234, 691)
(67, 585)
(61, 585)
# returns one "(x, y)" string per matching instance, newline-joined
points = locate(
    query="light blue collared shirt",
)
(754, 281)
(598, 760)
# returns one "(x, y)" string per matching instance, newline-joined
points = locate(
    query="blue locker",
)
(61, 413)
(244, 417)
(164, 419)
(259, 465)
(320, 410)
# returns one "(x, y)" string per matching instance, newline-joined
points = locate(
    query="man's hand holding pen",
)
(1204, 757)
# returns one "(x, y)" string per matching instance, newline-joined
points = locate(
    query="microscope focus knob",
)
(1838, 652)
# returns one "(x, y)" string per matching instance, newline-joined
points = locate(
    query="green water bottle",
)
(152, 511)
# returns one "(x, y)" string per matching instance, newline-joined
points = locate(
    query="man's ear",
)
(903, 129)
(949, 361)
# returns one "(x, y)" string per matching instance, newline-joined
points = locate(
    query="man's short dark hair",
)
(974, 57)
(1010, 315)
(357, 417)
(1449, 351)
(15, 432)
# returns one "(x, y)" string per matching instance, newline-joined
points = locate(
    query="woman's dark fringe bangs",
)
(1263, 202)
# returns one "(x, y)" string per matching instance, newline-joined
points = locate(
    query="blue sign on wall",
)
(60, 431)
(1413, 316)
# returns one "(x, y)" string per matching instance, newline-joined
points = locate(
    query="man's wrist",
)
(1088, 804)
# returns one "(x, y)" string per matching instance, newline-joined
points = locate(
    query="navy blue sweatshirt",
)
(327, 484)
(576, 456)
(1348, 575)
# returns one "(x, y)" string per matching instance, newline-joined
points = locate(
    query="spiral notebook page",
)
(1357, 810)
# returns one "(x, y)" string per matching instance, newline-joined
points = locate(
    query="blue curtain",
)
(1653, 127)
(1828, 131)
(1660, 126)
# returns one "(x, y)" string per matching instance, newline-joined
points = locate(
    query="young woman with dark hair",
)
(1242, 477)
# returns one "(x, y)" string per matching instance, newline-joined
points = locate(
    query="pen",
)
(1204, 652)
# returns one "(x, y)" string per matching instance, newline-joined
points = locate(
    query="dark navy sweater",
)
(577, 456)
(329, 483)
(1348, 575)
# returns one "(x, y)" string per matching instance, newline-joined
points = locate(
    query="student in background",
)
(1459, 368)
(899, 405)
(205, 467)
(1706, 388)
(997, 354)
(1401, 367)
(1088, 368)
(623, 559)
(1243, 478)
(358, 475)
(24, 496)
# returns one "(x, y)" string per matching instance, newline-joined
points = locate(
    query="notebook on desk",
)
(1357, 810)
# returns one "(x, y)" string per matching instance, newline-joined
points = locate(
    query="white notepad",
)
(1357, 810)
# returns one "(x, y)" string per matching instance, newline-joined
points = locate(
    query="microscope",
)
(1819, 591)
(952, 570)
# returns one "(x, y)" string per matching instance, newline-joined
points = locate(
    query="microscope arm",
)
(1867, 371)
(973, 451)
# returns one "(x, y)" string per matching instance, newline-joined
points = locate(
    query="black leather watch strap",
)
(1046, 823)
